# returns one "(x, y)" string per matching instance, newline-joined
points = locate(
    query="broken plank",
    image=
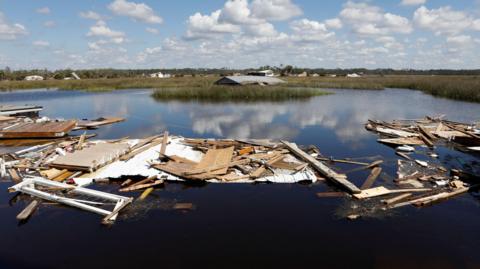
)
(28, 211)
(396, 198)
(379, 191)
(142, 186)
(341, 161)
(371, 178)
(322, 168)
(14, 175)
(330, 194)
(163, 147)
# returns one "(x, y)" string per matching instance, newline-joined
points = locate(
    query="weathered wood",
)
(341, 161)
(14, 175)
(163, 147)
(215, 158)
(80, 142)
(139, 150)
(330, 194)
(258, 172)
(371, 178)
(401, 154)
(434, 198)
(183, 206)
(322, 169)
(28, 211)
(426, 133)
(396, 198)
(426, 140)
(142, 186)
(373, 164)
(143, 181)
(379, 191)
(126, 183)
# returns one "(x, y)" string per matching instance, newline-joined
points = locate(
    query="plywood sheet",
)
(215, 158)
(39, 130)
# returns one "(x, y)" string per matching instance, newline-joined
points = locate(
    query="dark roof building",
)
(248, 80)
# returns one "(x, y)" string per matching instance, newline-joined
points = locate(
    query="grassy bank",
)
(236, 93)
(465, 88)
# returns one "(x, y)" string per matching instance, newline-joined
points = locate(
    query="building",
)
(160, 75)
(33, 77)
(263, 73)
(353, 75)
(248, 80)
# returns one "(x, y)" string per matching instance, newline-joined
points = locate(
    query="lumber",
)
(28, 211)
(380, 191)
(426, 133)
(258, 172)
(163, 147)
(397, 198)
(143, 181)
(322, 168)
(371, 178)
(341, 161)
(14, 175)
(142, 186)
(330, 194)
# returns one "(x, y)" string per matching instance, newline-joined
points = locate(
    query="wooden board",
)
(322, 168)
(402, 141)
(92, 157)
(214, 158)
(371, 178)
(39, 130)
(380, 191)
(99, 122)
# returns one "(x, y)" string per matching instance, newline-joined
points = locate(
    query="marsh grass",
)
(466, 88)
(236, 93)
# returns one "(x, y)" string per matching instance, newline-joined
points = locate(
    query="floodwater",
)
(251, 225)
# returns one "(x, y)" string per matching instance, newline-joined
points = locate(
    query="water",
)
(244, 226)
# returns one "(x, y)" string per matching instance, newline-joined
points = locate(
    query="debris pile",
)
(60, 171)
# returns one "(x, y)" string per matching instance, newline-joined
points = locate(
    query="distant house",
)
(263, 73)
(160, 75)
(353, 75)
(248, 80)
(33, 77)
(303, 74)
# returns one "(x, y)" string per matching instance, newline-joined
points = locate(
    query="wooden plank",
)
(322, 169)
(28, 211)
(258, 172)
(396, 198)
(330, 194)
(39, 130)
(426, 133)
(183, 206)
(216, 158)
(143, 181)
(142, 186)
(163, 147)
(14, 175)
(246, 150)
(341, 161)
(427, 141)
(126, 183)
(380, 191)
(137, 151)
(63, 176)
(371, 178)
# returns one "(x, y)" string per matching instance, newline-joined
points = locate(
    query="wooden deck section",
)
(37, 130)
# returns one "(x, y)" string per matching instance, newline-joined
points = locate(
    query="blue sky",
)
(419, 34)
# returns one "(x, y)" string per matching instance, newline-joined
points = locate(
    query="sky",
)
(399, 34)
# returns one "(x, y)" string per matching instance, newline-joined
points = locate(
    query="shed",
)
(248, 80)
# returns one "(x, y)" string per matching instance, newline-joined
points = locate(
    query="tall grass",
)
(236, 93)
(465, 88)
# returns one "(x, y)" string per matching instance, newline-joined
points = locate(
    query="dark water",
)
(251, 226)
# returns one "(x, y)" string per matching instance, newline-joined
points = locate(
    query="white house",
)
(160, 75)
(33, 77)
(353, 75)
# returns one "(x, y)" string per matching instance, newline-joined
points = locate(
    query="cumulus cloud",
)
(137, 11)
(41, 43)
(369, 20)
(43, 10)
(90, 15)
(413, 2)
(275, 10)
(335, 23)
(102, 30)
(10, 31)
(444, 20)
(205, 26)
(308, 30)
(238, 12)
(460, 40)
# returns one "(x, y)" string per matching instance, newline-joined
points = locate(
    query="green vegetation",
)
(236, 93)
(458, 87)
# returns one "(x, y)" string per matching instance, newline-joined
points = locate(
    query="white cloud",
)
(238, 12)
(443, 20)
(371, 20)
(275, 10)
(10, 31)
(308, 30)
(205, 26)
(43, 10)
(138, 12)
(461, 40)
(263, 29)
(90, 15)
(49, 24)
(413, 2)
(152, 30)
(102, 30)
(335, 23)
(41, 43)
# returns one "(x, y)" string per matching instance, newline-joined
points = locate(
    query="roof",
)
(244, 80)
